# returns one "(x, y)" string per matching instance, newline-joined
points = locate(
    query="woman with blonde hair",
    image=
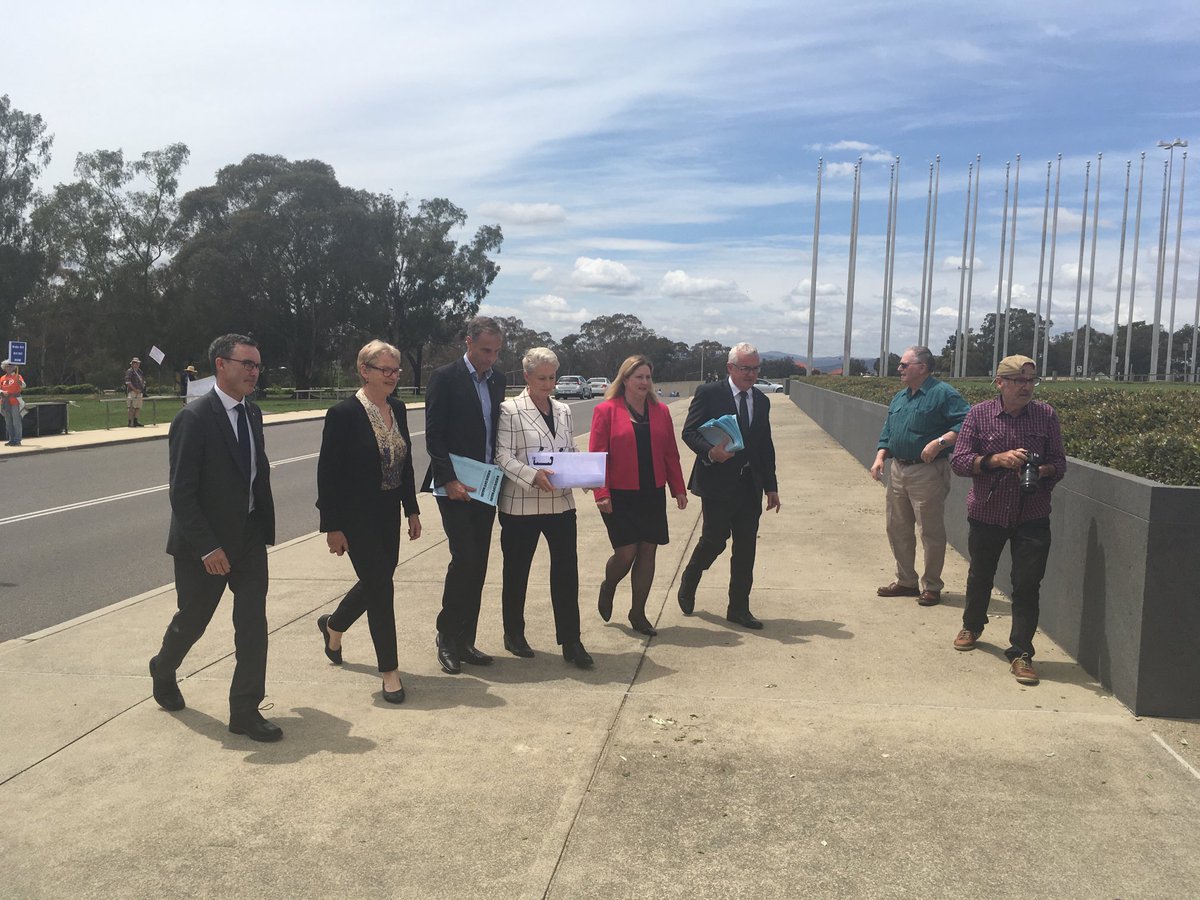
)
(364, 477)
(635, 429)
(530, 507)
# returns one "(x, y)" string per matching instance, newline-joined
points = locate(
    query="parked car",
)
(599, 385)
(572, 386)
(769, 387)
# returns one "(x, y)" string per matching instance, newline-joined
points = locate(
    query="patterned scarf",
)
(392, 448)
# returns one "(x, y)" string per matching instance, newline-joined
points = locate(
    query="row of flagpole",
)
(1040, 345)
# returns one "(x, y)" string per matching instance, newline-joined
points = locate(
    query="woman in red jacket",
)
(636, 432)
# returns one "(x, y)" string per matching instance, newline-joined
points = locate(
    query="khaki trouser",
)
(916, 495)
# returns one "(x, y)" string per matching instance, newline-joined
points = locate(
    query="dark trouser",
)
(1029, 546)
(374, 553)
(198, 595)
(468, 528)
(734, 515)
(518, 541)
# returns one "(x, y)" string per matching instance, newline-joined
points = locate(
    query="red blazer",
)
(613, 432)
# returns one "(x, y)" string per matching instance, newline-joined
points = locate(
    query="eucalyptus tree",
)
(24, 154)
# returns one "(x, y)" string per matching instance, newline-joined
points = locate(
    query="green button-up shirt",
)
(916, 419)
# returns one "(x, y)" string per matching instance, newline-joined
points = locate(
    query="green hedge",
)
(58, 390)
(1145, 430)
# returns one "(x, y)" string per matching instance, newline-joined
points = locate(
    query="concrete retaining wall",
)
(1122, 589)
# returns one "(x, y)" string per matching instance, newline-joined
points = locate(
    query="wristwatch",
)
(941, 442)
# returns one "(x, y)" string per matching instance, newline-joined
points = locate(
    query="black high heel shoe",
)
(394, 696)
(335, 656)
(641, 625)
(604, 604)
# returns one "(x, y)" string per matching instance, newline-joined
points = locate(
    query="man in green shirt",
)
(922, 425)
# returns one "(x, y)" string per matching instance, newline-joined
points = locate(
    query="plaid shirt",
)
(996, 497)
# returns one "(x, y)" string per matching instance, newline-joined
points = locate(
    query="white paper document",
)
(572, 470)
(474, 474)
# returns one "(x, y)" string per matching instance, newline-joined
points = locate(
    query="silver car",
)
(768, 387)
(599, 385)
(572, 386)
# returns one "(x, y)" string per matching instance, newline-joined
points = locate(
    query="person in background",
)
(11, 386)
(186, 377)
(364, 477)
(530, 507)
(730, 485)
(635, 429)
(919, 432)
(135, 389)
(462, 410)
(1011, 448)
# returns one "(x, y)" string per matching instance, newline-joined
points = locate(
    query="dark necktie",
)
(243, 436)
(743, 417)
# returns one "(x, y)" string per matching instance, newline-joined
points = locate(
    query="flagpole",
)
(812, 288)
(1037, 315)
(887, 258)
(850, 272)
(1137, 233)
(1087, 328)
(1012, 253)
(971, 270)
(925, 261)
(1160, 269)
(1196, 327)
(1087, 181)
(1000, 274)
(962, 275)
(1175, 276)
(1053, 250)
(1112, 364)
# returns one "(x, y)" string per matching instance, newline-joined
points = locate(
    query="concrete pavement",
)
(847, 750)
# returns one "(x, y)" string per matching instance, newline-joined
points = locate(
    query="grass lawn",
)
(88, 413)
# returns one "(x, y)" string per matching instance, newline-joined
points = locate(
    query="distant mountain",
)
(824, 363)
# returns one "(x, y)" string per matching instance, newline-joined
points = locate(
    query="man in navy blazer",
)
(730, 485)
(222, 519)
(462, 411)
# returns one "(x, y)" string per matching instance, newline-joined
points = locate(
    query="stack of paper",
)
(718, 431)
(572, 470)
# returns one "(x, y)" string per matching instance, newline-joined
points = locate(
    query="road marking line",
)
(1183, 762)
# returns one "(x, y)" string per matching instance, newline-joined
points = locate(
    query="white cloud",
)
(839, 169)
(946, 312)
(556, 309)
(504, 312)
(711, 312)
(952, 263)
(523, 213)
(604, 275)
(824, 289)
(542, 273)
(679, 284)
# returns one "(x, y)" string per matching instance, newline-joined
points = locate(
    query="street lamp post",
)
(1162, 256)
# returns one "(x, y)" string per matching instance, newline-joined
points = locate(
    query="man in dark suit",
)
(730, 485)
(462, 411)
(222, 519)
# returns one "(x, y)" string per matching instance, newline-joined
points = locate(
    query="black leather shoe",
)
(574, 653)
(687, 592)
(394, 696)
(518, 646)
(255, 727)
(641, 625)
(335, 656)
(469, 654)
(166, 688)
(745, 619)
(604, 604)
(447, 656)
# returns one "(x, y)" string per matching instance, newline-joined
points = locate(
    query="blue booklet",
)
(716, 431)
(474, 474)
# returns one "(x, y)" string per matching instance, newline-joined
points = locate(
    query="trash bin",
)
(47, 417)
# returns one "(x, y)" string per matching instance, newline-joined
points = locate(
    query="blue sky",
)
(660, 158)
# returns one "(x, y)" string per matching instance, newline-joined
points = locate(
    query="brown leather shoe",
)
(966, 639)
(1022, 669)
(896, 589)
(929, 598)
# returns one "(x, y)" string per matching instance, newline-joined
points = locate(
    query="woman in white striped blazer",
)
(529, 506)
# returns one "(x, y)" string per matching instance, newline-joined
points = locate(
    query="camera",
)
(1029, 472)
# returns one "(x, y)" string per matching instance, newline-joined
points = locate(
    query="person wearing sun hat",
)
(135, 389)
(1011, 448)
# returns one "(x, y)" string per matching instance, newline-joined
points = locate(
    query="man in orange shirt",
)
(11, 385)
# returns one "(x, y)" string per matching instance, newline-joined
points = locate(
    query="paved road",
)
(87, 528)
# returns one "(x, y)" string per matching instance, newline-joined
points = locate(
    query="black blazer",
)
(454, 419)
(711, 479)
(209, 488)
(348, 471)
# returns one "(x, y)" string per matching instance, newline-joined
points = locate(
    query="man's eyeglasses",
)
(248, 364)
(1032, 382)
(748, 370)
(903, 366)
(385, 371)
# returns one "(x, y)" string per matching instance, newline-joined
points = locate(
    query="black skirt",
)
(637, 517)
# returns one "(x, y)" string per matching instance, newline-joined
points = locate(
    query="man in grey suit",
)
(222, 519)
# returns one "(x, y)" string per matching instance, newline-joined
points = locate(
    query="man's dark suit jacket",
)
(349, 474)
(210, 491)
(454, 419)
(717, 480)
